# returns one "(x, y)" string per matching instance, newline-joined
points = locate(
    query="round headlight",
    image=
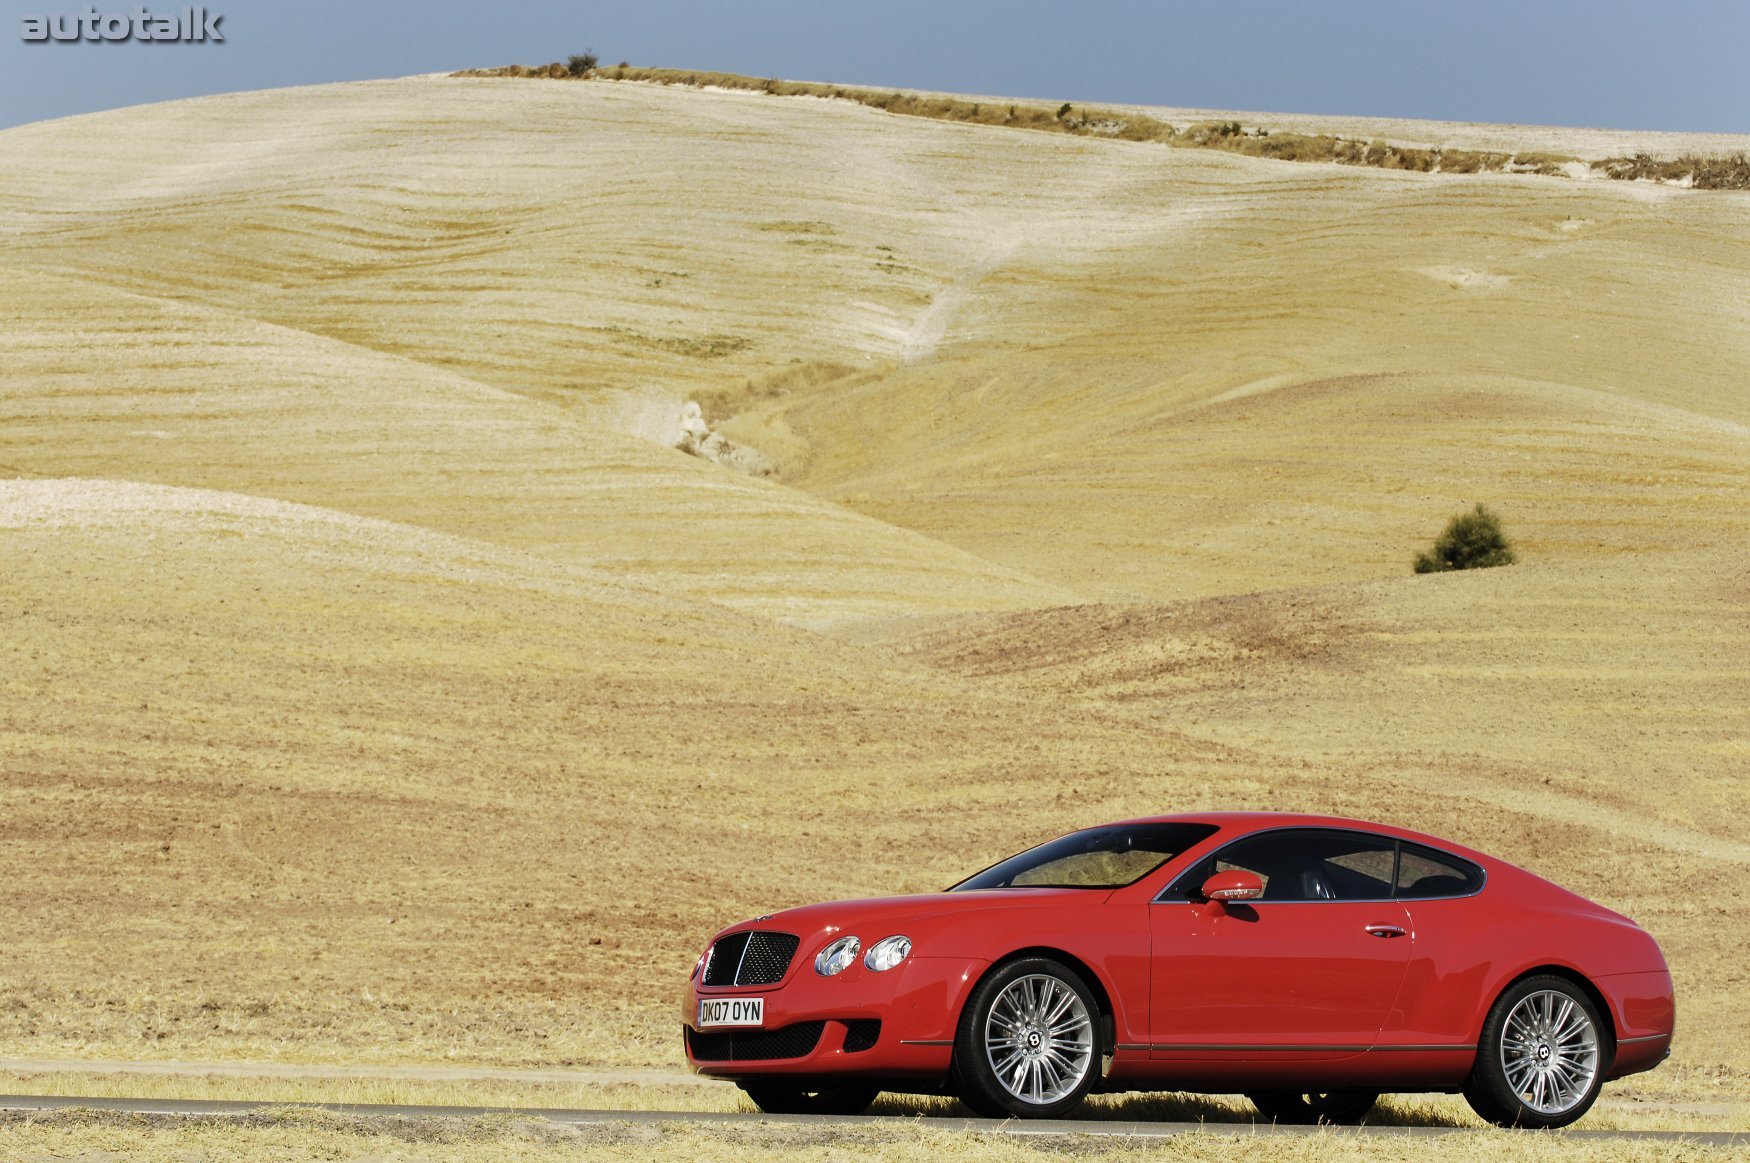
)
(837, 957)
(887, 952)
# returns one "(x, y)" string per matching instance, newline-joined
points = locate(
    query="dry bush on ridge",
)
(1703, 173)
(1472, 540)
(1731, 172)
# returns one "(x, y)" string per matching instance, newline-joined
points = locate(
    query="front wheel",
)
(1295, 1108)
(1541, 1059)
(1027, 1044)
(811, 1098)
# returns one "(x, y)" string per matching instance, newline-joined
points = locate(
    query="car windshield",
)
(1108, 857)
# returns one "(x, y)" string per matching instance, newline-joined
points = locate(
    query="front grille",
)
(861, 1034)
(725, 959)
(750, 958)
(796, 1041)
(768, 958)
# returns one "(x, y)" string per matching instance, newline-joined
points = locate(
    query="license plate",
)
(731, 1011)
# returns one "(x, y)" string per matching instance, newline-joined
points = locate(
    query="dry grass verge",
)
(1622, 1108)
(608, 1094)
(275, 1134)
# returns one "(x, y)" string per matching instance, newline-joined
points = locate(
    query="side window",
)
(1424, 873)
(1304, 864)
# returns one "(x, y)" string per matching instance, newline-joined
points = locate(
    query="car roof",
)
(1233, 822)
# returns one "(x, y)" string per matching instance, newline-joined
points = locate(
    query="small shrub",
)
(1642, 167)
(583, 63)
(1472, 540)
(1063, 111)
(1717, 173)
(1547, 164)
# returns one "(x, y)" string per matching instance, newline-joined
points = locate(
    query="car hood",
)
(918, 916)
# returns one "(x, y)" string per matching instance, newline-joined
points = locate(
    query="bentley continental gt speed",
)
(1308, 962)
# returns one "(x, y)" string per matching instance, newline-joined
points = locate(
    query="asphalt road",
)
(1133, 1130)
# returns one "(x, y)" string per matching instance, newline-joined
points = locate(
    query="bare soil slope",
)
(371, 689)
(293, 780)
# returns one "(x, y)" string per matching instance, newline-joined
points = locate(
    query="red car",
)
(1305, 961)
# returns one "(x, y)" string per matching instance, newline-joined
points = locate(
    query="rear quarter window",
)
(1427, 874)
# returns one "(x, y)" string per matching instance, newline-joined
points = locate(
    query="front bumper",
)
(916, 1004)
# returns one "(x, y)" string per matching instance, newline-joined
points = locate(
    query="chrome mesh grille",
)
(767, 958)
(750, 958)
(725, 959)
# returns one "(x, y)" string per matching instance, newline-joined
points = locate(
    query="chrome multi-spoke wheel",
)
(1549, 1051)
(1028, 1041)
(1542, 1055)
(1039, 1039)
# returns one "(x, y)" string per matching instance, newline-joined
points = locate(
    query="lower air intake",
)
(796, 1041)
(861, 1034)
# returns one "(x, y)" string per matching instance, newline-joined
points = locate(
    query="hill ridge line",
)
(1111, 123)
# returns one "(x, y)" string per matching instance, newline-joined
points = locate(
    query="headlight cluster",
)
(888, 952)
(842, 954)
(837, 957)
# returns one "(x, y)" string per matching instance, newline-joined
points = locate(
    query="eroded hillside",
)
(379, 681)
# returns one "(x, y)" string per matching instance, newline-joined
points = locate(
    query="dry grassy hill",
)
(374, 685)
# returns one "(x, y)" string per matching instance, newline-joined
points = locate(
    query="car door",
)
(1309, 971)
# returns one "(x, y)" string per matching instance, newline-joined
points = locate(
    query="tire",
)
(811, 1097)
(1029, 1041)
(1542, 1057)
(1294, 1108)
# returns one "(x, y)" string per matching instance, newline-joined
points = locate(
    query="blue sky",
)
(1676, 65)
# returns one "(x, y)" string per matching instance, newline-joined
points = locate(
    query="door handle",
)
(1386, 930)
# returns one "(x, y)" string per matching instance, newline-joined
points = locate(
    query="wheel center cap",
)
(1543, 1052)
(1033, 1039)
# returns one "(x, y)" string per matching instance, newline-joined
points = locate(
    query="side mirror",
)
(1234, 885)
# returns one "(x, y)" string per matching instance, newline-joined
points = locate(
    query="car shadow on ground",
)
(1172, 1108)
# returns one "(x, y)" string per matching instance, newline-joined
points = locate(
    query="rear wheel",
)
(1542, 1056)
(811, 1097)
(1028, 1044)
(1297, 1108)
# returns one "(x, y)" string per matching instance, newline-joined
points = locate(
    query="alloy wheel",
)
(1039, 1039)
(1549, 1052)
